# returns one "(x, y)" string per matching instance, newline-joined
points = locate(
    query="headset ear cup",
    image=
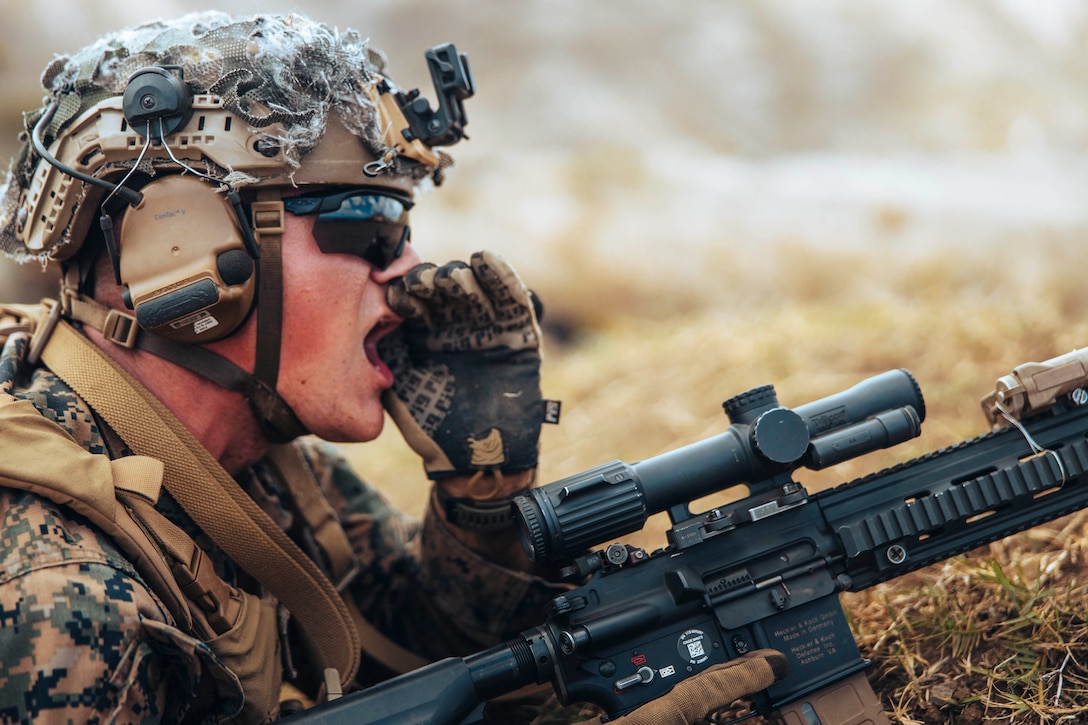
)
(184, 261)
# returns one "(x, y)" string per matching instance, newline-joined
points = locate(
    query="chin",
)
(353, 416)
(359, 431)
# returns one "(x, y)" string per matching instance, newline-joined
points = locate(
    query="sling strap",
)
(317, 513)
(210, 496)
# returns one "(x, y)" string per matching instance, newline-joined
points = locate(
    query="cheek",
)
(317, 282)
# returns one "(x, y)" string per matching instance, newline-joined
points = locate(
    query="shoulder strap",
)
(210, 496)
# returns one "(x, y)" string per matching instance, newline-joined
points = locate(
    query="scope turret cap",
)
(268, 93)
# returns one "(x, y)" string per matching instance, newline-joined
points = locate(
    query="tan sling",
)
(118, 497)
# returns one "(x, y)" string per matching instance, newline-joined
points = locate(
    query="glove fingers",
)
(735, 679)
(467, 300)
(452, 292)
(514, 310)
(691, 700)
(502, 285)
(419, 300)
(419, 280)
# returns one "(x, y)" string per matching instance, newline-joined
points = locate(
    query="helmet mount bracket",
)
(157, 101)
(453, 83)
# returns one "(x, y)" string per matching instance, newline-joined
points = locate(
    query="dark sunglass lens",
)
(379, 243)
(364, 224)
(387, 245)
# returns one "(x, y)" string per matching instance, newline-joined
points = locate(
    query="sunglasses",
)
(364, 222)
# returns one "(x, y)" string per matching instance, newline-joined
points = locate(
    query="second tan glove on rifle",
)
(693, 699)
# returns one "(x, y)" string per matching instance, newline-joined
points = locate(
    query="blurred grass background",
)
(713, 196)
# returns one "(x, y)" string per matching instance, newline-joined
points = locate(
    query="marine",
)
(228, 201)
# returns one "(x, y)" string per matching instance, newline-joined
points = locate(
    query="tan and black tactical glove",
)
(692, 700)
(466, 363)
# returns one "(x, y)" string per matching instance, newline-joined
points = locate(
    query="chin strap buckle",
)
(268, 217)
(121, 328)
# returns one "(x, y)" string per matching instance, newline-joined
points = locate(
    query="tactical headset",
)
(186, 256)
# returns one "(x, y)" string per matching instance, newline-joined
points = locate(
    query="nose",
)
(408, 258)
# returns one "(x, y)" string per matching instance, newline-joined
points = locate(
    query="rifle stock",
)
(762, 572)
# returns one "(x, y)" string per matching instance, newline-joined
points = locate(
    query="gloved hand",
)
(466, 363)
(695, 698)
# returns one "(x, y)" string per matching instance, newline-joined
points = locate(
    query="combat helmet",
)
(188, 131)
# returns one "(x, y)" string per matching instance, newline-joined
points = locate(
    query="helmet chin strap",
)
(278, 422)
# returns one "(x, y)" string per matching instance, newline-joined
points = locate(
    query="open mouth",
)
(374, 356)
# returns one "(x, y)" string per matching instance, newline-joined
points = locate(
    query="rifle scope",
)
(764, 441)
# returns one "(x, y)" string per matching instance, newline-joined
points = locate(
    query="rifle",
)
(766, 570)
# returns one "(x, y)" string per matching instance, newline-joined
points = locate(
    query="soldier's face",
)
(334, 313)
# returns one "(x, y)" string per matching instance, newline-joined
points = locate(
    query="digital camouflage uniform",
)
(95, 644)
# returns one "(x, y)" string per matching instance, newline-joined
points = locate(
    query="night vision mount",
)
(453, 83)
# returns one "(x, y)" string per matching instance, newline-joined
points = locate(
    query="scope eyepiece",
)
(530, 530)
(567, 517)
